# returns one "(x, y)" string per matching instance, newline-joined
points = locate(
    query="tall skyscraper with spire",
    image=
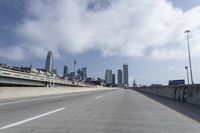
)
(49, 62)
(125, 75)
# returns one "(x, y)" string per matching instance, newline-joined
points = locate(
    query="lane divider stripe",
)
(98, 97)
(30, 119)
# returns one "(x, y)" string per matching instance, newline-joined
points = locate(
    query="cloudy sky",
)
(99, 34)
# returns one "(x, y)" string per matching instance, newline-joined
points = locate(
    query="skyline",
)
(24, 35)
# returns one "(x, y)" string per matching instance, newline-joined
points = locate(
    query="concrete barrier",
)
(17, 92)
(183, 93)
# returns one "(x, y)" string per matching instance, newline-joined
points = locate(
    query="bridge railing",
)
(183, 93)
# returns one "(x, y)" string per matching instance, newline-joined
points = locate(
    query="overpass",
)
(12, 77)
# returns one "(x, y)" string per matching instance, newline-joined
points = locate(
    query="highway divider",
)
(18, 92)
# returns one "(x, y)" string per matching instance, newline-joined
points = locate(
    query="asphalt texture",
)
(108, 111)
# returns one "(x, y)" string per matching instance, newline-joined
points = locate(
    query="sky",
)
(103, 34)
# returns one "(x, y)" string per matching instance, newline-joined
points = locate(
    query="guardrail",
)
(183, 93)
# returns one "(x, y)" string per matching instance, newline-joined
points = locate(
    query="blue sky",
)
(100, 34)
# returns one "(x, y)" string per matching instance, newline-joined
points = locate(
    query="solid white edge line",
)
(30, 119)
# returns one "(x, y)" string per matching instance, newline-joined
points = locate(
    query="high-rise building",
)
(49, 62)
(55, 71)
(79, 74)
(125, 75)
(108, 77)
(84, 73)
(134, 84)
(119, 78)
(113, 79)
(71, 76)
(65, 71)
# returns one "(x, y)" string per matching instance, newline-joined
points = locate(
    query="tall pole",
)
(188, 80)
(190, 62)
(74, 70)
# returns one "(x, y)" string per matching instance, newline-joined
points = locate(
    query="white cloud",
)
(123, 28)
(12, 53)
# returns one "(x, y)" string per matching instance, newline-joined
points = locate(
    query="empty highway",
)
(108, 111)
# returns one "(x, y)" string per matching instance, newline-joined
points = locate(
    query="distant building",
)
(102, 81)
(49, 62)
(113, 80)
(90, 79)
(125, 75)
(93, 81)
(134, 84)
(119, 78)
(65, 71)
(84, 73)
(55, 71)
(71, 76)
(108, 77)
(79, 75)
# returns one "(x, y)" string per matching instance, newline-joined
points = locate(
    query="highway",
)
(108, 111)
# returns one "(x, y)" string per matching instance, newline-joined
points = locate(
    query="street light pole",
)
(186, 68)
(74, 71)
(190, 62)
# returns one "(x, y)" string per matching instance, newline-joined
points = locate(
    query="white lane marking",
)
(30, 119)
(98, 97)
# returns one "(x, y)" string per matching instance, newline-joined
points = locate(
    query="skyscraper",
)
(125, 75)
(79, 74)
(108, 77)
(65, 71)
(119, 78)
(113, 80)
(49, 62)
(84, 73)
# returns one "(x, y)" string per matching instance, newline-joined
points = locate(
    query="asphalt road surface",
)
(109, 111)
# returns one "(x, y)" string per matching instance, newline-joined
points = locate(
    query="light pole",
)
(74, 71)
(186, 68)
(190, 62)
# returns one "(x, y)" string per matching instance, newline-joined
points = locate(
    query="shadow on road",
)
(190, 110)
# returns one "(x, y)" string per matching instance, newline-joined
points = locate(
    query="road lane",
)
(41, 98)
(30, 119)
(124, 111)
(23, 109)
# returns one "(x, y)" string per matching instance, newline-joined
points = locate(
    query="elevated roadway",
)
(108, 111)
(11, 77)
